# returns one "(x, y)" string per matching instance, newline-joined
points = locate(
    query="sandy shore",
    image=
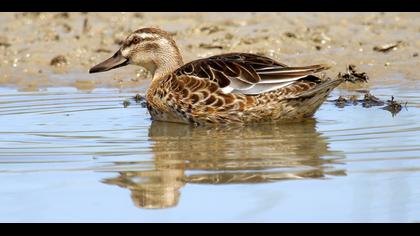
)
(30, 41)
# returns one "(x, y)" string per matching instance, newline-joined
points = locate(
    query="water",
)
(69, 155)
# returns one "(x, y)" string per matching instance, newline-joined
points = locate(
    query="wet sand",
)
(30, 41)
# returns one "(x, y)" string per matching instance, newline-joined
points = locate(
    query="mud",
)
(28, 42)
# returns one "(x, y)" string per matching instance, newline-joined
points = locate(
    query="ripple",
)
(89, 132)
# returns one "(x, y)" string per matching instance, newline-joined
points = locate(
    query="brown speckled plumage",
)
(229, 88)
(192, 93)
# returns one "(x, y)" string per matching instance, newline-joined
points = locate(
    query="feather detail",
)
(263, 88)
(246, 73)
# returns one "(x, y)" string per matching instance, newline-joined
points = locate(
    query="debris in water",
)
(353, 99)
(140, 99)
(393, 106)
(126, 103)
(370, 101)
(58, 61)
(341, 102)
(387, 47)
(143, 104)
(352, 76)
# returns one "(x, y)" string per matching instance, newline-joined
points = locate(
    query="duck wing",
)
(246, 73)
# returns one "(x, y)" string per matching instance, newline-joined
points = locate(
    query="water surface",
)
(70, 155)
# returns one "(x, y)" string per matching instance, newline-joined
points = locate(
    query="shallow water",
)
(69, 155)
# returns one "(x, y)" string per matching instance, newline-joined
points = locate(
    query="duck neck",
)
(161, 69)
(166, 65)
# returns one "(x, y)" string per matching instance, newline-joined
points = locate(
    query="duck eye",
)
(136, 40)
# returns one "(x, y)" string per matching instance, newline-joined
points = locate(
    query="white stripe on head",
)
(144, 36)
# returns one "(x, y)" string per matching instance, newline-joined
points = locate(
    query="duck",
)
(230, 88)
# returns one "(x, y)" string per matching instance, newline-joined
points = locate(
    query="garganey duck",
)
(228, 88)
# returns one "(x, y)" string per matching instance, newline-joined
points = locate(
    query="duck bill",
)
(117, 60)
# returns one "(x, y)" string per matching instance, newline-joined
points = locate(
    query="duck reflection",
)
(226, 155)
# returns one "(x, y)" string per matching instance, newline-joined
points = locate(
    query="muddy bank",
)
(40, 50)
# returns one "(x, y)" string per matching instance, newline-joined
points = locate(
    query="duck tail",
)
(325, 88)
(308, 102)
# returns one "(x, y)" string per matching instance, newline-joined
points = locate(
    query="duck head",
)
(151, 48)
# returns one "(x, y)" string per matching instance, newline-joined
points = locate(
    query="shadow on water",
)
(245, 155)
